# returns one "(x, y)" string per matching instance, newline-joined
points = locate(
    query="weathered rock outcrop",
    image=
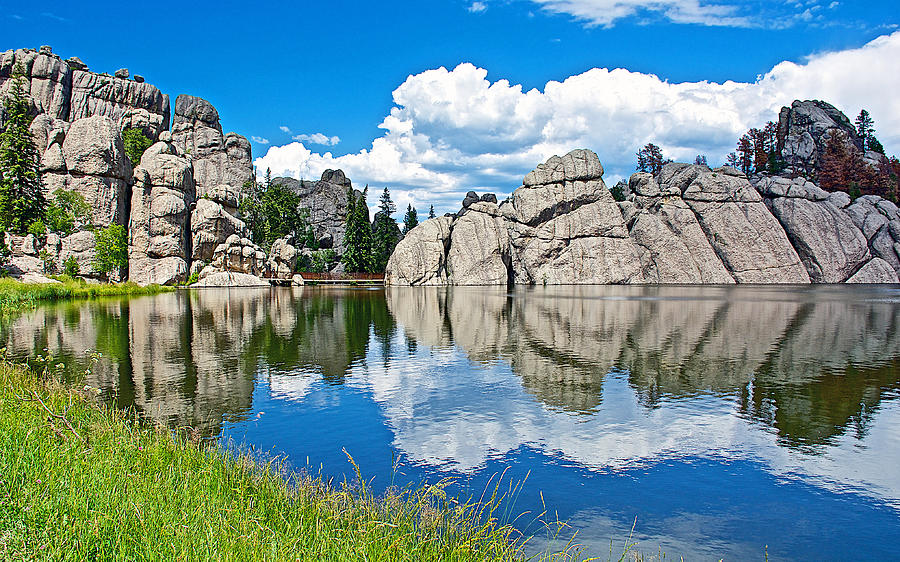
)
(805, 129)
(689, 224)
(211, 225)
(179, 205)
(420, 258)
(282, 259)
(67, 90)
(159, 245)
(238, 255)
(222, 163)
(326, 200)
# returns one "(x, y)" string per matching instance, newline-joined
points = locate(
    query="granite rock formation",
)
(805, 129)
(689, 224)
(326, 200)
(65, 89)
(159, 246)
(179, 204)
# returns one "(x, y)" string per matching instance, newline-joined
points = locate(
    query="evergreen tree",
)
(410, 219)
(745, 154)
(431, 212)
(865, 127)
(358, 234)
(650, 159)
(732, 160)
(272, 211)
(385, 232)
(700, 160)
(22, 198)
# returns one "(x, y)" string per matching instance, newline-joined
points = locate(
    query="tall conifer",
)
(22, 199)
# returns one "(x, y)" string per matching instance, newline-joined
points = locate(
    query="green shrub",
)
(67, 212)
(136, 142)
(38, 229)
(47, 261)
(71, 267)
(111, 249)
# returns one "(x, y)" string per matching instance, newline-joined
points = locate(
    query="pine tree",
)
(865, 127)
(745, 154)
(431, 212)
(22, 199)
(410, 219)
(357, 255)
(835, 171)
(385, 232)
(651, 159)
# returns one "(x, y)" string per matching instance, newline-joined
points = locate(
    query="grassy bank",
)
(80, 481)
(15, 295)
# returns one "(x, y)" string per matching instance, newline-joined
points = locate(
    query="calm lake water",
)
(721, 419)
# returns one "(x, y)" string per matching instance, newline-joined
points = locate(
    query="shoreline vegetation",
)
(81, 479)
(16, 295)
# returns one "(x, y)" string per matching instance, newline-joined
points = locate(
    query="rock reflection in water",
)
(192, 358)
(808, 362)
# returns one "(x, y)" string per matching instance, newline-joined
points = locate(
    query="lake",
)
(719, 422)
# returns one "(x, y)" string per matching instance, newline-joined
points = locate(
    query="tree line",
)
(840, 169)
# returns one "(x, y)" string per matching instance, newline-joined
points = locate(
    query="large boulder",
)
(879, 222)
(875, 271)
(230, 279)
(326, 200)
(479, 249)
(674, 247)
(420, 257)
(159, 243)
(222, 163)
(239, 255)
(282, 259)
(828, 243)
(211, 225)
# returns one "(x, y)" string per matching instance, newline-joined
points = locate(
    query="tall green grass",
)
(15, 295)
(79, 480)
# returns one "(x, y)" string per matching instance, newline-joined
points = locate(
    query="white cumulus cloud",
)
(317, 138)
(259, 140)
(477, 7)
(454, 130)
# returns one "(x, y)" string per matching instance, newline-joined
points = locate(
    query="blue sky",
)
(377, 88)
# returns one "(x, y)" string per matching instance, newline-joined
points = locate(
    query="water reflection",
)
(611, 396)
(808, 362)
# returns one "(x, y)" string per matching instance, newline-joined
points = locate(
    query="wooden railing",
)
(337, 277)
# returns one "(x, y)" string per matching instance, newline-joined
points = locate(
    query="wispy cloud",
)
(285, 129)
(53, 16)
(317, 138)
(259, 140)
(722, 13)
(16, 17)
(477, 7)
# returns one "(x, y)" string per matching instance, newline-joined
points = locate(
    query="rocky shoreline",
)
(687, 225)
